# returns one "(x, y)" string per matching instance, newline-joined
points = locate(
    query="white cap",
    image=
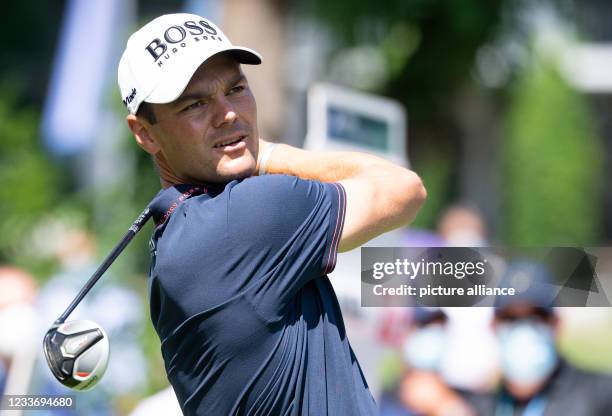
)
(160, 58)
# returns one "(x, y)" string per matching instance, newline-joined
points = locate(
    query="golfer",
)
(247, 232)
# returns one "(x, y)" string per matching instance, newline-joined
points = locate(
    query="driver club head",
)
(77, 353)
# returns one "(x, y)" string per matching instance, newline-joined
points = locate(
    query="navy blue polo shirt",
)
(248, 320)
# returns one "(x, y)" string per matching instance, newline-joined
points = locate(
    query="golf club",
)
(77, 351)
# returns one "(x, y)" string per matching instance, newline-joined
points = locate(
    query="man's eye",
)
(194, 105)
(237, 89)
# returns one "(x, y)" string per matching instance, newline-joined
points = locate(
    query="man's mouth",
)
(230, 142)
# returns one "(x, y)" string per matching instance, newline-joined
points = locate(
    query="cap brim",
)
(174, 83)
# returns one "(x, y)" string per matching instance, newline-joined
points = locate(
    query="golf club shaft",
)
(136, 226)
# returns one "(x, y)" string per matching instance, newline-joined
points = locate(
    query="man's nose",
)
(225, 113)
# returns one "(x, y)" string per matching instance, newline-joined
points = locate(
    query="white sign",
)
(343, 119)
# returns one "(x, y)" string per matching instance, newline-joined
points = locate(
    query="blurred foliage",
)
(390, 370)
(28, 35)
(29, 180)
(552, 163)
(429, 48)
(435, 170)
(442, 38)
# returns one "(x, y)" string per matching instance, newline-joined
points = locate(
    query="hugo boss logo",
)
(128, 99)
(178, 35)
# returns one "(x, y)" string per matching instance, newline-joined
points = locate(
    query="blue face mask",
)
(528, 352)
(425, 348)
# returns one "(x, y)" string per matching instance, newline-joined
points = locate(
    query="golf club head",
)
(77, 353)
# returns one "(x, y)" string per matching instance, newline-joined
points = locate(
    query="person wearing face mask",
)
(424, 346)
(536, 380)
(421, 390)
(462, 225)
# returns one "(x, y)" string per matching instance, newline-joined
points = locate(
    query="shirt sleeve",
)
(287, 228)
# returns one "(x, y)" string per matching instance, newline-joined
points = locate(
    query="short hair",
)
(145, 110)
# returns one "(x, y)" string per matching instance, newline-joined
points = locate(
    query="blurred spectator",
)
(421, 390)
(471, 361)
(472, 356)
(536, 379)
(461, 225)
(19, 323)
(392, 324)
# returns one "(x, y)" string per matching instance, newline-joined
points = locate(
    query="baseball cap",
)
(162, 56)
(533, 283)
(423, 315)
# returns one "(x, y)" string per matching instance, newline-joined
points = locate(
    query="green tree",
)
(552, 163)
(29, 181)
(429, 48)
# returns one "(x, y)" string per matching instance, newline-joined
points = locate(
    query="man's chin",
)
(237, 172)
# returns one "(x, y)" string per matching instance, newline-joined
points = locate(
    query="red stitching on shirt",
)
(175, 204)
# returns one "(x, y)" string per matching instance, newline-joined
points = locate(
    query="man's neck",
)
(167, 177)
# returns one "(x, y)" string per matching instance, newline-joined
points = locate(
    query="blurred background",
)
(507, 107)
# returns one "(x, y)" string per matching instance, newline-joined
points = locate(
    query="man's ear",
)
(142, 134)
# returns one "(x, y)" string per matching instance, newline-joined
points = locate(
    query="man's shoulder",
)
(269, 182)
(248, 204)
(582, 375)
(591, 383)
(273, 188)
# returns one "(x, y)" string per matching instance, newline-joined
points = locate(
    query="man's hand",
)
(381, 196)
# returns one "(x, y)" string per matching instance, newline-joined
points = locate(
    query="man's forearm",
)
(321, 166)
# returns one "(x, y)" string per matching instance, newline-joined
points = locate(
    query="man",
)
(536, 379)
(248, 321)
